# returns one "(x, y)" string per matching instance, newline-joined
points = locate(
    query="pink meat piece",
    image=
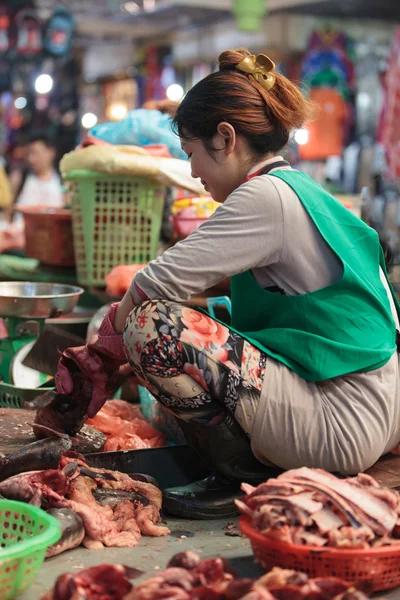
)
(213, 575)
(238, 588)
(172, 583)
(81, 491)
(156, 589)
(373, 512)
(287, 592)
(122, 481)
(325, 519)
(99, 528)
(391, 497)
(38, 486)
(274, 486)
(247, 488)
(283, 534)
(92, 544)
(303, 501)
(278, 577)
(147, 518)
(125, 518)
(258, 593)
(329, 586)
(302, 536)
(103, 582)
(351, 537)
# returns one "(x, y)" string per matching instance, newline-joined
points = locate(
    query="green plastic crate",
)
(25, 534)
(15, 397)
(116, 220)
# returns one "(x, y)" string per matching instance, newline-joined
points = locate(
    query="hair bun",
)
(229, 59)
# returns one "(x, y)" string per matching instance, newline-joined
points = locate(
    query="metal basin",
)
(37, 300)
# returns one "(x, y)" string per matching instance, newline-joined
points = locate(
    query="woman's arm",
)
(123, 310)
(244, 233)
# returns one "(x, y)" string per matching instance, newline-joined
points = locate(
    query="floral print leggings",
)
(195, 366)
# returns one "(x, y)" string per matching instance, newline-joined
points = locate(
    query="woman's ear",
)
(225, 138)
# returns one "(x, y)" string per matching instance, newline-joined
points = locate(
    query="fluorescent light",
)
(43, 84)
(301, 137)
(175, 92)
(89, 120)
(20, 102)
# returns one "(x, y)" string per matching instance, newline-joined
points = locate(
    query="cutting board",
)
(14, 430)
(15, 433)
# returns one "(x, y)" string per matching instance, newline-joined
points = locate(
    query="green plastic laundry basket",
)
(116, 220)
(25, 534)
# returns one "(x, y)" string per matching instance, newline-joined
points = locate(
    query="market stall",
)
(88, 504)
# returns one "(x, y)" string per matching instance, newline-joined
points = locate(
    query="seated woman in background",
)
(38, 183)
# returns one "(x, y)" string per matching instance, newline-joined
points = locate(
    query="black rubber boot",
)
(225, 447)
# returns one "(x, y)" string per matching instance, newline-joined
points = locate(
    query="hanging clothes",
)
(390, 120)
(327, 132)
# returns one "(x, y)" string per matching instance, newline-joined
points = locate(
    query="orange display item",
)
(327, 132)
(120, 278)
(125, 427)
(379, 567)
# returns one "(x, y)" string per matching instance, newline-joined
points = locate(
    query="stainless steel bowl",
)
(24, 299)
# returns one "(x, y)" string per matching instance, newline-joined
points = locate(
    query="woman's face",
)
(39, 157)
(219, 170)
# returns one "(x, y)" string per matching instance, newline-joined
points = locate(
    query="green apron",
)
(340, 329)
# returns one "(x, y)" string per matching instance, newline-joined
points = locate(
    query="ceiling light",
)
(43, 84)
(20, 102)
(301, 137)
(89, 120)
(131, 7)
(363, 100)
(175, 92)
(117, 111)
(149, 5)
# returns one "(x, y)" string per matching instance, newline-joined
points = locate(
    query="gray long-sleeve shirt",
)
(261, 226)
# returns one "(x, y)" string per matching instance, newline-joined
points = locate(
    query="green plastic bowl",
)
(25, 534)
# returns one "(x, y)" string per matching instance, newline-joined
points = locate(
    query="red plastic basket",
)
(48, 234)
(380, 567)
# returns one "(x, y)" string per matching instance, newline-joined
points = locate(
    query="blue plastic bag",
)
(141, 127)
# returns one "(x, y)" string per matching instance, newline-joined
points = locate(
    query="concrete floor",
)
(207, 538)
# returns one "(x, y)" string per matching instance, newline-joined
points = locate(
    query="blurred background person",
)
(37, 183)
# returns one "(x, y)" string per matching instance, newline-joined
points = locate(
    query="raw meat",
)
(71, 488)
(313, 507)
(103, 582)
(189, 578)
(125, 427)
(40, 487)
(101, 524)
